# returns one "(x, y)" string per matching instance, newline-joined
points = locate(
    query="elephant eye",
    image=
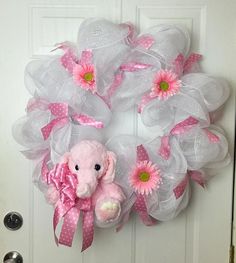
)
(97, 167)
(77, 167)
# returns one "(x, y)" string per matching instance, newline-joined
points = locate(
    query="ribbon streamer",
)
(69, 207)
(196, 176)
(141, 208)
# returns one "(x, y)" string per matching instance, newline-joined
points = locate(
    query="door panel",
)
(29, 30)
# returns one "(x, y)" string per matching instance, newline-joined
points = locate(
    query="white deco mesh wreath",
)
(112, 68)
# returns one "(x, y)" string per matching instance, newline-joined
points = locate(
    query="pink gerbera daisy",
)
(165, 84)
(84, 76)
(145, 177)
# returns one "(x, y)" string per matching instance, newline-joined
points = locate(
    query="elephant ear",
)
(109, 175)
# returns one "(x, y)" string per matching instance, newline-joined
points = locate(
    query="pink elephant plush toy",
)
(94, 167)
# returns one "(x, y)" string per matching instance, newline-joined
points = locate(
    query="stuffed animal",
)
(94, 167)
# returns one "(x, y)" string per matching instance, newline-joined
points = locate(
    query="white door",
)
(28, 30)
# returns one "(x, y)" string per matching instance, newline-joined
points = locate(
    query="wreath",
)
(74, 95)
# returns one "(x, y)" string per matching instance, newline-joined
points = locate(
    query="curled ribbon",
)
(196, 176)
(119, 77)
(69, 207)
(145, 41)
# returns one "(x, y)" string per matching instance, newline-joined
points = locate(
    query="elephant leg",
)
(107, 210)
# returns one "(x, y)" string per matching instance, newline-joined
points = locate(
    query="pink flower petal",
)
(149, 184)
(169, 77)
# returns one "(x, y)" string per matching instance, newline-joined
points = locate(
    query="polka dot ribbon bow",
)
(69, 207)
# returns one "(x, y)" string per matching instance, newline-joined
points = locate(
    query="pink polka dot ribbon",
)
(144, 41)
(142, 154)
(69, 207)
(184, 66)
(140, 204)
(184, 126)
(141, 208)
(180, 128)
(71, 219)
(61, 112)
(69, 60)
(196, 176)
(164, 150)
(119, 77)
(180, 66)
(191, 61)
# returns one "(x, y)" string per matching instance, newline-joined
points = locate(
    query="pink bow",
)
(69, 207)
(196, 176)
(61, 112)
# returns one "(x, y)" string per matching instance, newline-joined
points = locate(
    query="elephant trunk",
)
(87, 183)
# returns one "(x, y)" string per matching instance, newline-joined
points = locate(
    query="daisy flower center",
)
(88, 76)
(164, 85)
(144, 176)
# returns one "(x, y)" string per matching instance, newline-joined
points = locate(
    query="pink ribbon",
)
(140, 203)
(69, 60)
(119, 77)
(196, 176)
(184, 126)
(181, 66)
(61, 112)
(134, 66)
(211, 136)
(184, 66)
(144, 41)
(180, 128)
(69, 207)
(144, 101)
(141, 208)
(164, 150)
